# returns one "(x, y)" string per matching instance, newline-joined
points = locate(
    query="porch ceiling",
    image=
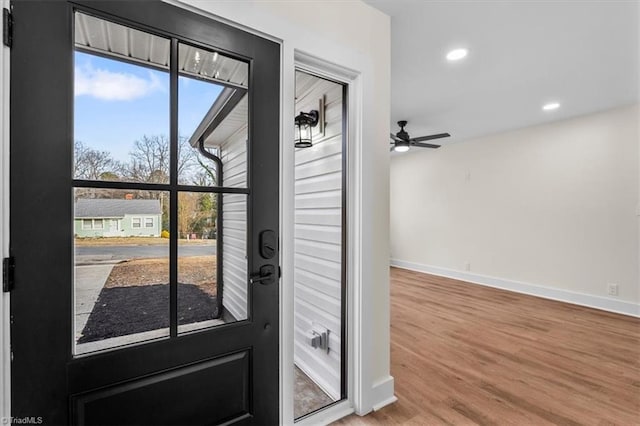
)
(103, 37)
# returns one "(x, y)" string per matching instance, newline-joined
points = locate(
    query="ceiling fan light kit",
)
(401, 147)
(551, 106)
(457, 54)
(401, 141)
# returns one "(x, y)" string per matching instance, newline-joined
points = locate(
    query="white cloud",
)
(113, 86)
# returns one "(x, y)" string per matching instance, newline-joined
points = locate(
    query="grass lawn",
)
(197, 270)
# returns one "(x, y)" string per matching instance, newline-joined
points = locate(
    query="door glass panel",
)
(212, 259)
(212, 108)
(122, 136)
(121, 267)
(121, 114)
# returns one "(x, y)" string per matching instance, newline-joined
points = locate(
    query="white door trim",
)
(355, 339)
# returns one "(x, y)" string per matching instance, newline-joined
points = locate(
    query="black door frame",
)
(41, 315)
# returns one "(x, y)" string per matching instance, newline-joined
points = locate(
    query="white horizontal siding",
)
(327, 304)
(233, 153)
(319, 183)
(318, 282)
(318, 216)
(331, 164)
(318, 235)
(330, 270)
(324, 200)
(323, 233)
(320, 149)
(326, 251)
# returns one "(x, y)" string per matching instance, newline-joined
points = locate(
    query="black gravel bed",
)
(120, 311)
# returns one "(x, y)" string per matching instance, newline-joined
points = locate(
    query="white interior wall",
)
(318, 235)
(233, 153)
(552, 206)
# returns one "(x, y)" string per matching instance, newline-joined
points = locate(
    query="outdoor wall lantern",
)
(305, 121)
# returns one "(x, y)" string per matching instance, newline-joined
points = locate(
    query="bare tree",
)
(150, 159)
(205, 174)
(150, 163)
(186, 158)
(92, 164)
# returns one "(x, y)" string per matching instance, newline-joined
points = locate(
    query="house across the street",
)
(117, 218)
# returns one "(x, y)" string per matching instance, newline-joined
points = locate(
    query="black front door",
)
(144, 184)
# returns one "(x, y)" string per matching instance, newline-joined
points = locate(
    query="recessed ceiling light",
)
(551, 106)
(457, 54)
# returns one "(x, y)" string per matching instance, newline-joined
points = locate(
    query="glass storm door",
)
(144, 216)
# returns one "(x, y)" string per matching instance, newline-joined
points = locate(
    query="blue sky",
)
(117, 103)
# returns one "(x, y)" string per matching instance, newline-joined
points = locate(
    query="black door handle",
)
(266, 276)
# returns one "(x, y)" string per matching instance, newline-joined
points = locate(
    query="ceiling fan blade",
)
(430, 137)
(395, 138)
(424, 145)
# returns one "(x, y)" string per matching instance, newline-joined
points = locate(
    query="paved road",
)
(103, 253)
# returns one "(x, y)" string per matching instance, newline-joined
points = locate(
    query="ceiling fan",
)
(402, 141)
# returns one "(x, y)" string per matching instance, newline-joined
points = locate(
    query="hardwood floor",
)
(467, 354)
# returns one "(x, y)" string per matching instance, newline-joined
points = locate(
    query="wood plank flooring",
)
(467, 354)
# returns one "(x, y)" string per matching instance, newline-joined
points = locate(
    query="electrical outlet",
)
(318, 337)
(467, 266)
(612, 289)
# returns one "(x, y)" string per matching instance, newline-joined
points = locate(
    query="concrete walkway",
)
(89, 280)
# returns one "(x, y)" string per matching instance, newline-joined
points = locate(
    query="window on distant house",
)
(148, 222)
(136, 222)
(98, 224)
(87, 223)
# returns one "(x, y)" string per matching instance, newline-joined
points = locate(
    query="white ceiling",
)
(522, 54)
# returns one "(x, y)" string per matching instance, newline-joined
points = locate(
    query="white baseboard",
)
(582, 299)
(382, 393)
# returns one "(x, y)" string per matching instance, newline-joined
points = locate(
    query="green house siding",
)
(129, 223)
(90, 227)
(126, 226)
(110, 217)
